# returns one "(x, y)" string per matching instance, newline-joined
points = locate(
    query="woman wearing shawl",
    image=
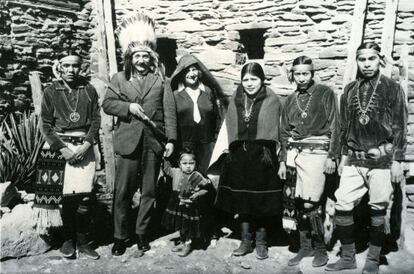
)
(198, 118)
(249, 185)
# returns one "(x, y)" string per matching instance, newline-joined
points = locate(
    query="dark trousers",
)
(137, 170)
(75, 215)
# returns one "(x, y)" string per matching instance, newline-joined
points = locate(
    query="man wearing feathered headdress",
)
(138, 94)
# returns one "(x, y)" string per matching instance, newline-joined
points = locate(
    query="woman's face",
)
(251, 83)
(191, 76)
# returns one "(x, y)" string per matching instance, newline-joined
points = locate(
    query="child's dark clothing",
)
(181, 214)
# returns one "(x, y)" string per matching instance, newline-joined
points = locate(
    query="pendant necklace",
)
(363, 116)
(247, 113)
(74, 116)
(303, 112)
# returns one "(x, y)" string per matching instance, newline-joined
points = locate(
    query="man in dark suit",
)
(142, 92)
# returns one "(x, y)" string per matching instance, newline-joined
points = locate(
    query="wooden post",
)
(110, 38)
(387, 40)
(106, 124)
(404, 83)
(355, 40)
(37, 91)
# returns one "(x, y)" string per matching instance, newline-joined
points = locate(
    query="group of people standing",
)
(262, 139)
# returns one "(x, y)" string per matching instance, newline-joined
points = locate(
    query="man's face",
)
(70, 70)
(302, 75)
(368, 64)
(141, 61)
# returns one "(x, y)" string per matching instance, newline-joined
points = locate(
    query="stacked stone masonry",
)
(31, 38)
(214, 30)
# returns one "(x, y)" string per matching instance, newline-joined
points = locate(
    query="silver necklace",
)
(363, 113)
(74, 115)
(247, 113)
(303, 112)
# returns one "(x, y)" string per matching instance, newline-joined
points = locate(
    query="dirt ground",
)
(212, 260)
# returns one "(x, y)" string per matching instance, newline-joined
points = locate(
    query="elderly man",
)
(70, 121)
(309, 134)
(373, 140)
(141, 92)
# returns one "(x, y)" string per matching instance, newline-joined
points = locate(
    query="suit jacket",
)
(157, 100)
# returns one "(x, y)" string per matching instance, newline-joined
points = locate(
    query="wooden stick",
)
(387, 40)
(110, 38)
(357, 34)
(107, 121)
(37, 91)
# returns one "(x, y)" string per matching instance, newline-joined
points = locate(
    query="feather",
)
(137, 31)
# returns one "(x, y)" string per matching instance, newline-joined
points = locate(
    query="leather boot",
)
(372, 262)
(261, 244)
(305, 250)
(347, 260)
(321, 256)
(143, 243)
(83, 247)
(187, 248)
(246, 241)
(119, 247)
(68, 249)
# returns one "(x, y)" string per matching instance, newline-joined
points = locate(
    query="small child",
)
(183, 210)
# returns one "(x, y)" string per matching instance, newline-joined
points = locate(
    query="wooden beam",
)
(357, 33)
(37, 91)
(404, 57)
(106, 124)
(388, 32)
(110, 37)
(49, 8)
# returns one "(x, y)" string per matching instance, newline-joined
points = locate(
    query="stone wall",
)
(219, 32)
(320, 29)
(32, 35)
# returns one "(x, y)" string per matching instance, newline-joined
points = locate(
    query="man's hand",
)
(81, 151)
(397, 173)
(137, 110)
(330, 166)
(68, 154)
(282, 171)
(169, 148)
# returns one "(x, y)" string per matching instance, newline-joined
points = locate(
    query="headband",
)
(368, 51)
(70, 59)
(303, 66)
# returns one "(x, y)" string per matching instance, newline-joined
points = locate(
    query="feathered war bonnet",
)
(137, 33)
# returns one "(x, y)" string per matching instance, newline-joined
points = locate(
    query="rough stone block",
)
(81, 24)
(294, 17)
(406, 5)
(253, 25)
(19, 237)
(340, 18)
(18, 28)
(334, 52)
(270, 42)
(319, 17)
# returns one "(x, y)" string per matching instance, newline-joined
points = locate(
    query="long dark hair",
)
(253, 69)
(374, 46)
(369, 45)
(301, 60)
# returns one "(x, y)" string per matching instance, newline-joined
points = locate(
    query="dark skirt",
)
(185, 218)
(249, 183)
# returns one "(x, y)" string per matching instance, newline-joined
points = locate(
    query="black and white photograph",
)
(207, 136)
